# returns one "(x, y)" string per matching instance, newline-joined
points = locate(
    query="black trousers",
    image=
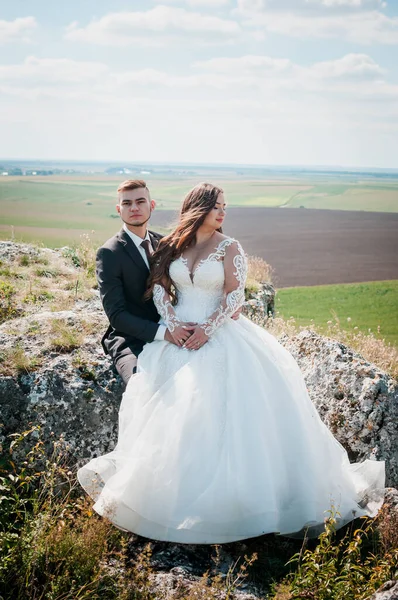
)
(126, 366)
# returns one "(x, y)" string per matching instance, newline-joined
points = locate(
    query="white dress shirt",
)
(137, 241)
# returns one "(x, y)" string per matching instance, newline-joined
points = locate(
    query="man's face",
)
(135, 206)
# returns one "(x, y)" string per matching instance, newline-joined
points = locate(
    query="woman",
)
(218, 438)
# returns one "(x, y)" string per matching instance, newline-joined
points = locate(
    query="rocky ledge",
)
(53, 373)
(75, 392)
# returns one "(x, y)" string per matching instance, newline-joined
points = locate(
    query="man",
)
(122, 272)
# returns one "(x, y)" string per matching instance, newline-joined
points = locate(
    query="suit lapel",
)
(131, 250)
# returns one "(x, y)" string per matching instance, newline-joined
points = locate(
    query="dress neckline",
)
(215, 255)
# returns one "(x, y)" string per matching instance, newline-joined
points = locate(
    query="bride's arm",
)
(235, 269)
(178, 330)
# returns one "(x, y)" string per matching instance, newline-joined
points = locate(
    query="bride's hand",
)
(182, 332)
(197, 339)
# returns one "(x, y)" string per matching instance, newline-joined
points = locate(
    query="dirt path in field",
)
(313, 247)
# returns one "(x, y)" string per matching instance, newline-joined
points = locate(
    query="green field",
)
(381, 198)
(58, 209)
(363, 305)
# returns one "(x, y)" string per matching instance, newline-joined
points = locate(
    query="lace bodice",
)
(201, 295)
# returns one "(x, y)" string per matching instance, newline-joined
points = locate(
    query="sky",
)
(271, 82)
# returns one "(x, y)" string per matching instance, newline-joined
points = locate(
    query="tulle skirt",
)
(223, 444)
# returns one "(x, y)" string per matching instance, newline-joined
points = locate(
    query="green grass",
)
(348, 197)
(370, 305)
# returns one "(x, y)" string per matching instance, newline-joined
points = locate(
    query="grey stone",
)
(356, 399)
(388, 591)
(77, 394)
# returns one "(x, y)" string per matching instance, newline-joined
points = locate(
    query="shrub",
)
(350, 569)
(24, 260)
(51, 544)
(8, 308)
(259, 271)
(35, 297)
(83, 256)
(47, 272)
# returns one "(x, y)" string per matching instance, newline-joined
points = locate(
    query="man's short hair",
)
(131, 184)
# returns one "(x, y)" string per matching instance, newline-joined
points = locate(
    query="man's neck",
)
(140, 231)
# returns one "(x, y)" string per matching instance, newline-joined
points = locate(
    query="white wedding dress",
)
(223, 443)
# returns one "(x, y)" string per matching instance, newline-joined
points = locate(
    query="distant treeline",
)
(51, 167)
(7, 170)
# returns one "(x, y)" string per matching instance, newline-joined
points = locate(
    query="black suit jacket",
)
(122, 277)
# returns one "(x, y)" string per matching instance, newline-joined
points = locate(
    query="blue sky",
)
(298, 82)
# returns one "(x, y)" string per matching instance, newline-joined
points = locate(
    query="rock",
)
(356, 400)
(388, 591)
(266, 298)
(74, 394)
(177, 567)
(10, 251)
(391, 498)
(75, 391)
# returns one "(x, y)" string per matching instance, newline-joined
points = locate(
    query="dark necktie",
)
(146, 244)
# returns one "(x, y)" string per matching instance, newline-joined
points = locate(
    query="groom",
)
(122, 272)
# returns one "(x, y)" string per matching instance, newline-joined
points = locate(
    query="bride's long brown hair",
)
(197, 204)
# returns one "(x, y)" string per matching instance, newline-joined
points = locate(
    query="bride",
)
(218, 438)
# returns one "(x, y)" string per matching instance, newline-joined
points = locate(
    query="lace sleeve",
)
(235, 268)
(164, 307)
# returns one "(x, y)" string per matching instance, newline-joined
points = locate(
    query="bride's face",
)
(214, 219)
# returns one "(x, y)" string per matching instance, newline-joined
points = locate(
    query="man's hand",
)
(197, 339)
(180, 334)
(169, 338)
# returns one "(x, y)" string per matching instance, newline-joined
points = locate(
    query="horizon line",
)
(124, 162)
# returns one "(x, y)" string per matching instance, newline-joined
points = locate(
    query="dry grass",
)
(8, 307)
(66, 337)
(58, 281)
(373, 349)
(387, 525)
(47, 278)
(15, 361)
(53, 546)
(259, 270)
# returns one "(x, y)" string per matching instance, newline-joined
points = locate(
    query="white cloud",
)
(153, 77)
(297, 6)
(362, 28)
(274, 107)
(242, 63)
(17, 30)
(358, 21)
(52, 71)
(351, 67)
(154, 27)
(197, 3)
(350, 3)
(211, 3)
(352, 74)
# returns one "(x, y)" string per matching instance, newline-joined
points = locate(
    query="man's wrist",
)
(169, 338)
